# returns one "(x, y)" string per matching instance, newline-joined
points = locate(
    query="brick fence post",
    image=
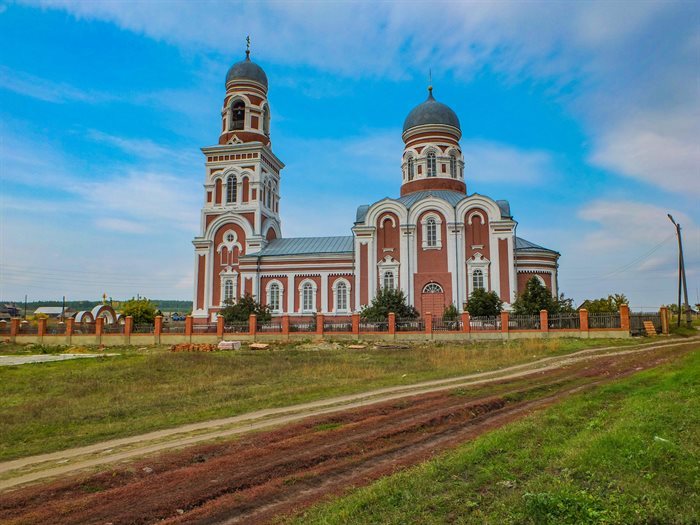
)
(188, 326)
(466, 323)
(41, 327)
(504, 322)
(69, 327)
(14, 326)
(663, 312)
(252, 324)
(429, 323)
(544, 321)
(129, 326)
(356, 324)
(583, 320)
(392, 323)
(99, 326)
(157, 328)
(220, 324)
(624, 317)
(285, 324)
(319, 324)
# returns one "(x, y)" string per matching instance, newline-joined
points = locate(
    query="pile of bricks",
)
(193, 347)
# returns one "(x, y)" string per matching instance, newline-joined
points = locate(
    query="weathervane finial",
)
(430, 82)
(247, 46)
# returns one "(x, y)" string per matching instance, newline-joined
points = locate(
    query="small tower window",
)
(432, 165)
(431, 232)
(411, 168)
(231, 189)
(477, 280)
(238, 115)
(453, 165)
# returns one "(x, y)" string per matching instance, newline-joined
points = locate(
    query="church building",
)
(434, 241)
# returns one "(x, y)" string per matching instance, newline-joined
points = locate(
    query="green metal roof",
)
(527, 246)
(307, 246)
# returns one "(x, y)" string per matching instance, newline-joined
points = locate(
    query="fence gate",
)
(432, 299)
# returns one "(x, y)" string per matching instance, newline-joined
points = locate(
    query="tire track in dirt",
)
(266, 475)
(31, 469)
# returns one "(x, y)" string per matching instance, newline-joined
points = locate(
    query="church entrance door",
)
(432, 300)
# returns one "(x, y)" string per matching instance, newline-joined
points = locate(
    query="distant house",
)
(54, 311)
(9, 310)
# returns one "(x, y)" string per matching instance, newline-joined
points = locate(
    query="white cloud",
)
(121, 225)
(494, 162)
(42, 89)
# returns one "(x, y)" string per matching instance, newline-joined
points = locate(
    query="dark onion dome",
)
(247, 70)
(431, 112)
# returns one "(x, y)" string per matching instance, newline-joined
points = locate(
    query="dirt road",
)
(272, 473)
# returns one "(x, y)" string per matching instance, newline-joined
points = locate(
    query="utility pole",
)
(25, 307)
(681, 277)
(63, 309)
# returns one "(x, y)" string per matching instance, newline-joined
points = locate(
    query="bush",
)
(450, 313)
(605, 305)
(482, 302)
(239, 311)
(142, 310)
(388, 301)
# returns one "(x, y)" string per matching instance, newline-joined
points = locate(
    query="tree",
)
(605, 305)
(536, 297)
(240, 311)
(482, 302)
(387, 301)
(450, 313)
(142, 310)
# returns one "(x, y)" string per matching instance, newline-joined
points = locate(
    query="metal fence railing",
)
(637, 322)
(143, 328)
(410, 325)
(446, 325)
(173, 328)
(83, 328)
(485, 322)
(604, 320)
(4, 327)
(205, 328)
(56, 329)
(271, 327)
(367, 326)
(28, 328)
(113, 328)
(309, 326)
(337, 326)
(524, 322)
(564, 321)
(237, 328)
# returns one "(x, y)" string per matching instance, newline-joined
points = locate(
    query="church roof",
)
(306, 246)
(521, 245)
(453, 198)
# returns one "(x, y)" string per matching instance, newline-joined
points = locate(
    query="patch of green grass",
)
(625, 453)
(327, 426)
(52, 406)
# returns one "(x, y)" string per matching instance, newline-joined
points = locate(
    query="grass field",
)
(626, 453)
(52, 406)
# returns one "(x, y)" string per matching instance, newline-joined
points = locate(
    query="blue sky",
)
(585, 116)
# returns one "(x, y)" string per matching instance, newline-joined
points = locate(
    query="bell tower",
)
(240, 214)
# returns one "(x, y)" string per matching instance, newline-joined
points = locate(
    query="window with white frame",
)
(228, 290)
(432, 164)
(477, 280)
(411, 168)
(308, 297)
(432, 288)
(431, 232)
(388, 281)
(231, 189)
(274, 297)
(341, 297)
(453, 165)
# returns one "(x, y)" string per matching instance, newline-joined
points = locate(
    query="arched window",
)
(453, 165)
(307, 297)
(477, 280)
(431, 232)
(274, 302)
(238, 115)
(411, 168)
(388, 283)
(266, 120)
(432, 288)
(341, 297)
(268, 195)
(228, 290)
(231, 189)
(432, 165)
